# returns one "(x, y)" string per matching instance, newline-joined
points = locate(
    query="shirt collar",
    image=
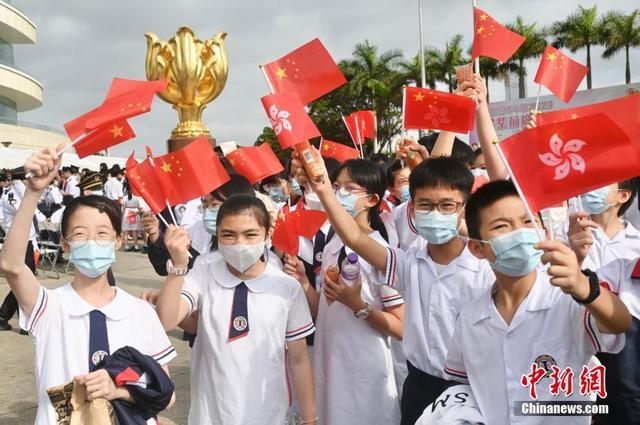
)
(226, 279)
(466, 259)
(539, 298)
(75, 305)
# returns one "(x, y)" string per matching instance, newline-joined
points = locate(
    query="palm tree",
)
(491, 68)
(532, 47)
(452, 57)
(578, 30)
(621, 31)
(433, 69)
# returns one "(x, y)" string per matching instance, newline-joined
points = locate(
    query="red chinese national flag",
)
(361, 125)
(190, 172)
(291, 226)
(289, 120)
(126, 99)
(435, 110)
(559, 73)
(338, 151)
(255, 163)
(144, 183)
(491, 39)
(555, 162)
(309, 71)
(103, 138)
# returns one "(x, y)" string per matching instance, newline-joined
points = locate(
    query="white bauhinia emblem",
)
(564, 156)
(279, 119)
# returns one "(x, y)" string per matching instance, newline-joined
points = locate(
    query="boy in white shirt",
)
(529, 324)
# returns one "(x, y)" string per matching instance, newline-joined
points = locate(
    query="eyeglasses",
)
(444, 207)
(347, 190)
(80, 240)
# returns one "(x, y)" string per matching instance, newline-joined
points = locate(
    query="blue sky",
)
(83, 44)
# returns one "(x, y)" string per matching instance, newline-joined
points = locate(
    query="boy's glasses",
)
(444, 207)
(346, 190)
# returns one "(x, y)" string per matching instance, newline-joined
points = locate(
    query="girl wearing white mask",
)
(76, 325)
(252, 316)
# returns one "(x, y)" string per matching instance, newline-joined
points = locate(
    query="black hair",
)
(101, 203)
(273, 179)
(331, 164)
(236, 185)
(114, 172)
(395, 166)
(66, 200)
(441, 171)
(378, 157)
(65, 169)
(243, 204)
(460, 150)
(477, 153)
(632, 186)
(482, 198)
(366, 174)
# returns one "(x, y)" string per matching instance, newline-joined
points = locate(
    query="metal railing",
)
(31, 125)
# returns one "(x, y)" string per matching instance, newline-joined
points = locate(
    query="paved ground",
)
(17, 383)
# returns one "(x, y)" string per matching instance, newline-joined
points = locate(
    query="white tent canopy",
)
(12, 158)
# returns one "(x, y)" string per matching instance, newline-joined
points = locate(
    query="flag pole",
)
(173, 218)
(476, 62)
(64, 149)
(351, 135)
(538, 98)
(423, 74)
(266, 77)
(360, 138)
(515, 183)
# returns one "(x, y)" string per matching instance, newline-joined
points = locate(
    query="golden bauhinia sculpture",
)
(196, 71)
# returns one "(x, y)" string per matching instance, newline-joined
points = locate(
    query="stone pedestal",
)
(173, 144)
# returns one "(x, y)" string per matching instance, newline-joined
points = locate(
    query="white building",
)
(20, 91)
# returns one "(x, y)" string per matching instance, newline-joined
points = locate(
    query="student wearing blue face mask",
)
(398, 181)
(436, 276)
(599, 234)
(278, 189)
(76, 325)
(528, 318)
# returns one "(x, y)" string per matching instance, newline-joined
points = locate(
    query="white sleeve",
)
(299, 322)
(191, 287)
(587, 336)
(454, 365)
(36, 322)
(56, 196)
(390, 297)
(157, 344)
(397, 260)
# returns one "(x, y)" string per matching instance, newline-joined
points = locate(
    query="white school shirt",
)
(622, 277)
(433, 300)
(56, 217)
(59, 326)
(352, 362)
(200, 238)
(492, 356)
(242, 382)
(113, 189)
(53, 195)
(71, 186)
(407, 233)
(625, 244)
(10, 208)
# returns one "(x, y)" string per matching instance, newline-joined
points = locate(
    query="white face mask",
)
(240, 256)
(312, 201)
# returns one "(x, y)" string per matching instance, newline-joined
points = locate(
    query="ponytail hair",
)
(366, 174)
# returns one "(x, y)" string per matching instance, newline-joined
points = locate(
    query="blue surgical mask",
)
(435, 227)
(515, 255)
(295, 187)
(404, 193)
(210, 218)
(277, 194)
(348, 202)
(595, 202)
(93, 259)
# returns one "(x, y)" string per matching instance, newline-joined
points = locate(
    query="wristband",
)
(594, 288)
(310, 421)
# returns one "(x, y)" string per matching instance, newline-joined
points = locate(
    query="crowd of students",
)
(463, 300)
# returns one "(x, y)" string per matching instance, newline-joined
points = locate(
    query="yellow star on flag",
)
(281, 73)
(483, 17)
(418, 97)
(574, 116)
(480, 30)
(552, 56)
(166, 167)
(326, 147)
(116, 131)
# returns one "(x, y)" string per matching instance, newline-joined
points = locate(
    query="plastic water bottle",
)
(350, 269)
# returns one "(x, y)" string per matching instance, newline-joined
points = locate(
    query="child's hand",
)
(44, 166)
(580, 236)
(294, 267)
(481, 89)
(532, 123)
(564, 269)
(150, 225)
(177, 241)
(320, 183)
(343, 293)
(405, 144)
(99, 385)
(468, 89)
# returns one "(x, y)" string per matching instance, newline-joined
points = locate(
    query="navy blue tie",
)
(318, 247)
(98, 339)
(239, 326)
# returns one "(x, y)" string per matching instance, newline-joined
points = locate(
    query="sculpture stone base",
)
(173, 144)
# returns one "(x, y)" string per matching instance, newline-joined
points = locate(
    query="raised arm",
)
(44, 165)
(487, 133)
(345, 226)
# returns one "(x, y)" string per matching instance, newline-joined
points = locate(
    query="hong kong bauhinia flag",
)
(559, 73)
(491, 39)
(555, 162)
(289, 120)
(309, 71)
(426, 109)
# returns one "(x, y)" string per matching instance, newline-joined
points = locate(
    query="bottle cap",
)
(352, 258)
